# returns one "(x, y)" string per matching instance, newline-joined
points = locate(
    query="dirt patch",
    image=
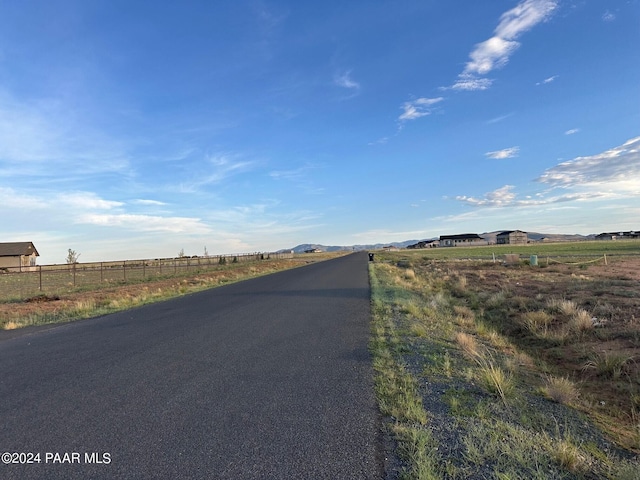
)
(580, 321)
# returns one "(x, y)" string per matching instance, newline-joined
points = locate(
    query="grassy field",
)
(488, 370)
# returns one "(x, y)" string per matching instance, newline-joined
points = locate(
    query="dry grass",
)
(561, 305)
(581, 321)
(560, 390)
(537, 322)
(609, 365)
(468, 344)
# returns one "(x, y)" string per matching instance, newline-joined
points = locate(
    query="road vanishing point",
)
(269, 378)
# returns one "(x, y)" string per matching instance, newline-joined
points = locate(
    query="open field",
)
(489, 370)
(20, 283)
(67, 302)
(586, 250)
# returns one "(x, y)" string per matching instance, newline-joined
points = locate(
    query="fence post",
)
(144, 269)
(40, 279)
(124, 270)
(101, 273)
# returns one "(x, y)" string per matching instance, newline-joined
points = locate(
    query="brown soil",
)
(610, 294)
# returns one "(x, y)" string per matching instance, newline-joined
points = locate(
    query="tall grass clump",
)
(560, 390)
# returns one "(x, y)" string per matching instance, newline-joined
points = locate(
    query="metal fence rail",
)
(24, 282)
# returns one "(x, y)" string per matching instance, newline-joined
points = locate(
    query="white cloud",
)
(498, 198)
(86, 201)
(344, 80)
(608, 16)
(611, 175)
(505, 153)
(147, 223)
(618, 167)
(572, 131)
(494, 53)
(470, 82)
(547, 80)
(418, 108)
(505, 197)
(141, 201)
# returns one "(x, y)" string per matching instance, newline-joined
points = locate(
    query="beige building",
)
(512, 237)
(18, 256)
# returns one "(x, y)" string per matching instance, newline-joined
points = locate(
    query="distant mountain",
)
(489, 236)
(352, 248)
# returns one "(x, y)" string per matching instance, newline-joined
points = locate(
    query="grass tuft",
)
(560, 390)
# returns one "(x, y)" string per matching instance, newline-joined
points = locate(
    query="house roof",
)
(463, 236)
(15, 249)
(509, 232)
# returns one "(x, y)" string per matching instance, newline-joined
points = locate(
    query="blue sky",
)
(133, 129)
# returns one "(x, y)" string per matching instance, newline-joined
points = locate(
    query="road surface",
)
(267, 378)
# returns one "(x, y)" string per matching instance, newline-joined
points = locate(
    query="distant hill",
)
(489, 236)
(352, 248)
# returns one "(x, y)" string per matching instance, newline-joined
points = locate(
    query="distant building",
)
(619, 235)
(465, 239)
(390, 248)
(19, 256)
(313, 250)
(512, 237)
(424, 244)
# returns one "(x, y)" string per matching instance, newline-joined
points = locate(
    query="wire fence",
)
(24, 282)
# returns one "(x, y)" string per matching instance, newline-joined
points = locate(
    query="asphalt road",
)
(267, 378)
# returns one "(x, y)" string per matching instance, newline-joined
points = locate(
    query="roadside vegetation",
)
(488, 370)
(82, 302)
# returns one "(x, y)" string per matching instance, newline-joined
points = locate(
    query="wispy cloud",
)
(619, 167)
(608, 16)
(45, 137)
(147, 223)
(572, 131)
(495, 52)
(154, 203)
(506, 197)
(418, 108)
(504, 153)
(499, 119)
(215, 170)
(547, 80)
(345, 80)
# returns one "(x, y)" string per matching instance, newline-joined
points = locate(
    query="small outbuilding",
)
(19, 256)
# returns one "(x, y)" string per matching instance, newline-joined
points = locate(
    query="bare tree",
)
(72, 257)
(181, 253)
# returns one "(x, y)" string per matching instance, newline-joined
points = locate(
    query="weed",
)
(464, 315)
(495, 379)
(536, 322)
(609, 365)
(566, 307)
(468, 344)
(581, 321)
(560, 390)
